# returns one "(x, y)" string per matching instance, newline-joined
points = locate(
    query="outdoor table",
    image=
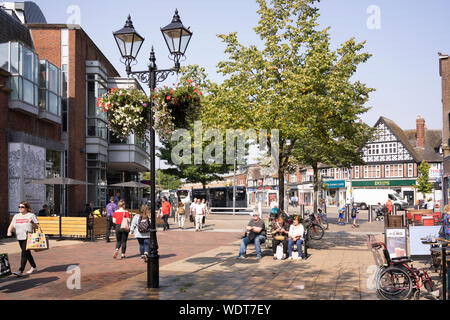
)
(443, 243)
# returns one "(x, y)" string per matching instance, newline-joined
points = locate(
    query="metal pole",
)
(234, 179)
(444, 272)
(370, 214)
(153, 259)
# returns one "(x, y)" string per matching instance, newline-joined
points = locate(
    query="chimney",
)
(420, 132)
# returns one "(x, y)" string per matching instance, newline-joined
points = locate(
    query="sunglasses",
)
(22, 207)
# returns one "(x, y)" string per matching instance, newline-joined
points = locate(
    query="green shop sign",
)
(335, 184)
(383, 183)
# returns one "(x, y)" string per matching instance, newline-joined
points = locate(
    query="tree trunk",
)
(280, 188)
(316, 186)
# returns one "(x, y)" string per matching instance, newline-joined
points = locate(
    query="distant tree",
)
(424, 185)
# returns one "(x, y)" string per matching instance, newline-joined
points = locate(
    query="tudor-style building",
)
(391, 161)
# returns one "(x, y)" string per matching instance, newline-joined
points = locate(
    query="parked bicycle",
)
(322, 219)
(313, 228)
(395, 278)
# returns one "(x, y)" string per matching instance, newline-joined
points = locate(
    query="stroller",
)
(380, 213)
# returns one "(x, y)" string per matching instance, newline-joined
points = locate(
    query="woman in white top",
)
(24, 222)
(296, 236)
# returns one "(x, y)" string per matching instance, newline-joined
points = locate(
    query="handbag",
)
(5, 267)
(125, 225)
(203, 220)
(37, 241)
(191, 218)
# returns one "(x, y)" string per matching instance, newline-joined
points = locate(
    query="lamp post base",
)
(153, 271)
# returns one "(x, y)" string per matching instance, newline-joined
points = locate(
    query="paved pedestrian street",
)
(203, 265)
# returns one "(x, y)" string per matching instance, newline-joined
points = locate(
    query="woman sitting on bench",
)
(296, 232)
(280, 233)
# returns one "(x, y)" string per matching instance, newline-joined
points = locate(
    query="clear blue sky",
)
(404, 68)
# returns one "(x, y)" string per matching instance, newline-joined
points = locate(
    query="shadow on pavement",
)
(26, 284)
(60, 268)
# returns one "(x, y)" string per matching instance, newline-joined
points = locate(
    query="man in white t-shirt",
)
(191, 208)
(199, 210)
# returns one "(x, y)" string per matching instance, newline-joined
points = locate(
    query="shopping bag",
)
(279, 252)
(5, 267)
(37, 241)
(125, 225)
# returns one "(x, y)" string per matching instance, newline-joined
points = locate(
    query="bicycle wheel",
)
(316, 231)
(394, 283)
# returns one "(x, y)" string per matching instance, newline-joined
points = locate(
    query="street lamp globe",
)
(177, 38)
(128, 41)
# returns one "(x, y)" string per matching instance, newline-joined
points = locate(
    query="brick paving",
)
(198, 266)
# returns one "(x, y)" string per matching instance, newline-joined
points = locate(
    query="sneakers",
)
(123, 257)
(115, 254)
(258, 258)
(31, 270)
(17, 273)
(290, 258)
(240, 257)
(299, 258)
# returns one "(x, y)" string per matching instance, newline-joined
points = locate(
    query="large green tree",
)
(295, 83)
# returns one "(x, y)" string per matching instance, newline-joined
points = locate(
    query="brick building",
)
(30, 125)
(59, 114)
(444, 72)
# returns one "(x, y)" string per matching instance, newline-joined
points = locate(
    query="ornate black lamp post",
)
(177, 38)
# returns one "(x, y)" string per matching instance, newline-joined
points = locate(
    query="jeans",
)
(258, 241)
(121, 239)
(109, 226)
(143, 245)
(26, 256)
(166, 221)
(299, 247)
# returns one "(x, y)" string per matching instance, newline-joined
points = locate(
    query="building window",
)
(23, 64)
(50, 88)
(96, 126)
(357, 172)
(372, 172)
(410, 169)
(393, 171)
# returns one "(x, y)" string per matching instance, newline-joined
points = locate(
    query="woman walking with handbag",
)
(121, 219)
(140, 228)
(22, 223)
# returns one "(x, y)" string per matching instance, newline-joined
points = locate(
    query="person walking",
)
(111, 207)
(140, 228)
(389, 206)
(181, 213)
(199, 212)
(205, 211)
(121, 233)
(23, 222)
(192, 211)
(165, 210)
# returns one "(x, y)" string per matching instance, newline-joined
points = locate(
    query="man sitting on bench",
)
(256, 232)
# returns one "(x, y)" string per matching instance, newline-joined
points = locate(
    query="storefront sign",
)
(335, 184)
(383, 183)
(396, 240)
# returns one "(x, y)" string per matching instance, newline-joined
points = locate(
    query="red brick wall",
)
(48, 44)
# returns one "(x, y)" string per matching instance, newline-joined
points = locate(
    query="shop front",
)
(402, 187)
(335, 193)
(306, 194)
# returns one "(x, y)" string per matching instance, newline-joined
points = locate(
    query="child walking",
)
(354, 216)
(341, 216)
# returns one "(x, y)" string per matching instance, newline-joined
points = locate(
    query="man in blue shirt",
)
(111, 207)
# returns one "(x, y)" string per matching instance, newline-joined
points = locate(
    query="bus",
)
(222, 197)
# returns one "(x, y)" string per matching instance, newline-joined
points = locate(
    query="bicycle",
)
(322, 219)
(314, 230)
(395, 279)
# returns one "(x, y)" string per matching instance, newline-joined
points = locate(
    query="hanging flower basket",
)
(128, 110)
